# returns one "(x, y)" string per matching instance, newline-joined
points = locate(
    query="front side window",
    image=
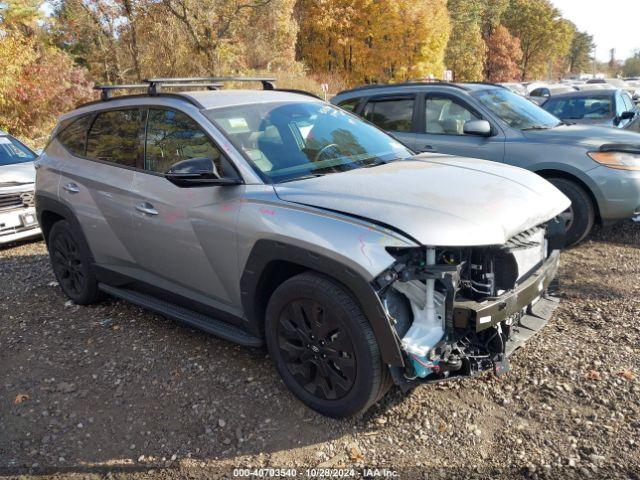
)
(12, 151)
(173, 137)
(391, 115)
(578, 108)
(290, 140)
(115, 137)
(445, 116)
(73, 137)
(514, 110)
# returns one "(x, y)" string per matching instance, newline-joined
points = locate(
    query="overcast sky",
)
(613, 23)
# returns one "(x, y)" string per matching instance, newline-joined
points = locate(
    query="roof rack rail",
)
(154, 85)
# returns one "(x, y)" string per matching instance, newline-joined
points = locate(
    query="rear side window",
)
(115, 137)
(172, 137)
(73, 137)
(392, 115)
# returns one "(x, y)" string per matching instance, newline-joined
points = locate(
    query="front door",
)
(186, 236)
(442, 130)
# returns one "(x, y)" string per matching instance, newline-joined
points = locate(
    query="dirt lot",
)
(114, 391)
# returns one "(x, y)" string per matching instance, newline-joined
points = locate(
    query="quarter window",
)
(445, 116)
(172, 137)
(115, 137)
(73, 137)
(350, 105)
(392, 115)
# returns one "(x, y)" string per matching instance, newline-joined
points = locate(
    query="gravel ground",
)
(114, 391)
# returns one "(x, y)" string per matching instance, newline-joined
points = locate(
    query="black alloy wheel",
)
(72, 264)
(316, 349)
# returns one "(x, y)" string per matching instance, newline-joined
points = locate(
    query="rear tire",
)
(72, 264)
(323, 346)
(578, 218)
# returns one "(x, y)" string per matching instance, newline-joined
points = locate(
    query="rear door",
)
(441, 129)
(96, 175)
(186, 236)
(394, 114)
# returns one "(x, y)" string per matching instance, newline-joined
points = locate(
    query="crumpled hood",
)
(437, 200)
(17, 173)
(589, 136)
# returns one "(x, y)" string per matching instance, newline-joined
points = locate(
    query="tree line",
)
(52, 55)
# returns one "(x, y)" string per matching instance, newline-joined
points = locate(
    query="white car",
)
(17, 178)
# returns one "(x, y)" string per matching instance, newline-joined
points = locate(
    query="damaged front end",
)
(463, 310)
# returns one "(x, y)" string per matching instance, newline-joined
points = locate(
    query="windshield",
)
(578, 108)
(291, 140)
(12, 151)
(516, 111)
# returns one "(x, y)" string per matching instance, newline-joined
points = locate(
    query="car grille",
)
(11, 201)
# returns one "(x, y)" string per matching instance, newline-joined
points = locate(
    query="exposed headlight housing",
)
(618, 157)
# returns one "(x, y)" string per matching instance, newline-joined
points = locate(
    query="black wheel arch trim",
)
(266, 251)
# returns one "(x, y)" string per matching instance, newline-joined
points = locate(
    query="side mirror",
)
(197, 172)
(477, 127)
(629, 114)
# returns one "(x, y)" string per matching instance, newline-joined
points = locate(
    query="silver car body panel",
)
(438, 200)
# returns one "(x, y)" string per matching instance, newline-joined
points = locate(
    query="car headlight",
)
(618, 160)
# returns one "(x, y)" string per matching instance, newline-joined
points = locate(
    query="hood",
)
(588, 136)
(437, 200)
(17, 173)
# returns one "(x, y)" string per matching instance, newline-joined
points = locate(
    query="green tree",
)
(631, 66)
(579, 58)
(544, 35)
(466, 49)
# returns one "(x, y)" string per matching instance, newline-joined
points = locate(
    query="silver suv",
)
(17, 179)
(271, 216)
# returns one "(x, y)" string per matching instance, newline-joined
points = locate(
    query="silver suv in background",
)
(598, 168)
(17, 181)
(270, 216)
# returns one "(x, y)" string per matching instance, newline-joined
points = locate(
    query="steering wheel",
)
(323, 150)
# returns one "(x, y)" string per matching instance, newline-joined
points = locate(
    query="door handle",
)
(146, 208)
(71, 188)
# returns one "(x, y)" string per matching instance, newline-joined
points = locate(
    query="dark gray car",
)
(597, 168)
(606, 108)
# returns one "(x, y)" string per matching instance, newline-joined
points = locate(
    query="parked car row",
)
(367, 242)
(597, 168)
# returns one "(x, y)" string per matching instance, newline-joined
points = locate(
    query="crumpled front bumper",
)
(522, 299)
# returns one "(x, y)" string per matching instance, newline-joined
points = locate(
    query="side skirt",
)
(184, 315)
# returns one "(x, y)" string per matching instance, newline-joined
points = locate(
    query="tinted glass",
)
(115, 137)
(349, 105)
(445, 116)
(289, 140)
(173, 137)
(620, 106)
(628, 103)
(392, 115)
(514, 110)
(12, 151)
(74, 135)
(578, 108)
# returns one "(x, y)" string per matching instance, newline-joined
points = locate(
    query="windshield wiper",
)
(304, 177)
(537, 127)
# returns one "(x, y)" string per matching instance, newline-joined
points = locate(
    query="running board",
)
(181, 314)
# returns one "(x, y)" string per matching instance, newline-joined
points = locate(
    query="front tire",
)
(324, 347)
(72, 264)
(580, 216)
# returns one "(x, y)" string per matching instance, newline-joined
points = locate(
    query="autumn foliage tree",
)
(373, 40)
(503, 56)
(38, 81)
(466, 49)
